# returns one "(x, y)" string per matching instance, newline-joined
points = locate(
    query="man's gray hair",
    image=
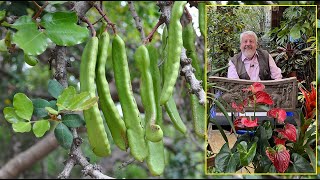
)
(249, 33)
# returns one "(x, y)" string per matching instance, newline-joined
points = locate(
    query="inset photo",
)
(261, 88)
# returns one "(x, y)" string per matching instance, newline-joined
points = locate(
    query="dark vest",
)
(264, 68)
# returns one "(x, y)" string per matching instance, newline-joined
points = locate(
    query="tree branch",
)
(136, 19)
(188, 71)
(26, 159)
(61, 66)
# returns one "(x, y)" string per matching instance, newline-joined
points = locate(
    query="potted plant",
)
(266, 148)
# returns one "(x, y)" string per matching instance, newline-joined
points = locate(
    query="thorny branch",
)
(186, 68)
(136, 19)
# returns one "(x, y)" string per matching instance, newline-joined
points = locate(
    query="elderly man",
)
(252, 63)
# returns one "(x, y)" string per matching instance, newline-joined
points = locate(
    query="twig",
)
(93, 31)
(149, 37)
(126, 163)
(40, 9)
(136, 19)
(113, 26)
(76, 157)
(36, 4)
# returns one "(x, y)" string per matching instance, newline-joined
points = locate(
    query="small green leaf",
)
(53, 104)
(24, 22)
(23, 106)
(54, 88)
(62, 29)
(51, 110)
(73, 120)
(3, 47)
(32, 41)
(2, 14)
(21, 126)
(10, 115)
(40, 127)
(84, 103)
(31, 60)
(63, 136)
(65, 97)
(69, 100)
(59, 18)
(67, 34)
(6, 24)
(39, 107)
(28, 37)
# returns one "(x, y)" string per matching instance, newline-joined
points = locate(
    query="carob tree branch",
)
(26, 159)
(76, 157)
(136, 19)
(186, 68)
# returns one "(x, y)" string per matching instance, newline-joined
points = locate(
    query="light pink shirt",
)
(252, 68)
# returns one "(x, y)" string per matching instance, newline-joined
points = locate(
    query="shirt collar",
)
(243, 58)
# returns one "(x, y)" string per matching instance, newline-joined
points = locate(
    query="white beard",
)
(248, 53)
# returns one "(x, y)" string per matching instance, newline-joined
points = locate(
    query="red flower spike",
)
(289, 132)
(279, 140)
(279, 157)
(248, 123)
(277, 113)
(310, 101)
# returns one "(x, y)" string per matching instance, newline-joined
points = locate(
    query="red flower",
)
(239, 107)
(310, 101)
(248, 123)
(255, 87)
(289, 132)
(279, 157)
(279, 140)
(261, 97)
(277, 113)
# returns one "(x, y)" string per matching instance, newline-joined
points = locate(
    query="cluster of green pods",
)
(142, 135)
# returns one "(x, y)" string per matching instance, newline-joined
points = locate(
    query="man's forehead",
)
(248, 36)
